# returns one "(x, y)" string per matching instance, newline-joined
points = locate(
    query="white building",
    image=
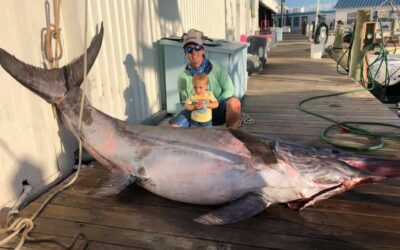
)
(346, 10)
(298, 17)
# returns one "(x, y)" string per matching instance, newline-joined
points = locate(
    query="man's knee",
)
(233, 104)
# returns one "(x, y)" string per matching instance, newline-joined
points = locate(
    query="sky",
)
(291, 3)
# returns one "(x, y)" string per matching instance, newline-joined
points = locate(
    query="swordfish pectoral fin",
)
(240, 209)
(117, 181)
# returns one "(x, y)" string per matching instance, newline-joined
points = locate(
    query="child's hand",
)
(199, 105)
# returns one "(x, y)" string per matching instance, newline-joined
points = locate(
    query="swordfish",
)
(201, 166)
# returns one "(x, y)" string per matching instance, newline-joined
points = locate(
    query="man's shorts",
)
(182, 119)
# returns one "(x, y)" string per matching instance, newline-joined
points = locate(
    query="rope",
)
(52, 31)
(26, 225)
(246, 119)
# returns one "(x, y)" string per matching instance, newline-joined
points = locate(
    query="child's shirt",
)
(205, 114)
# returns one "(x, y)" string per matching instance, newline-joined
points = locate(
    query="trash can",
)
(232, 56)
(279, 34)
(274, 33)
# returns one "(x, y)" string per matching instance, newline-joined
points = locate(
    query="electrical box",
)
(368, 34)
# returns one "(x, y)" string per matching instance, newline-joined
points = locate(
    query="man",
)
(229, 109)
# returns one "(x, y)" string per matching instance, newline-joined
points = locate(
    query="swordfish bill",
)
(201, 166)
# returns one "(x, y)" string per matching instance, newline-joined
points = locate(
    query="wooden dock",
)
(364, 218)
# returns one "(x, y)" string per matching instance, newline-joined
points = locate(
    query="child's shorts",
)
(195, 124)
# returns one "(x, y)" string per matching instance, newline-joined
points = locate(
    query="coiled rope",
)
(52, 31)
(26, 225)
(246, 119)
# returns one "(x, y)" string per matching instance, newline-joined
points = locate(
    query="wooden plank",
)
(178, 222)
(157, 201)
(125, 237)
(91, 245)
(352, 202)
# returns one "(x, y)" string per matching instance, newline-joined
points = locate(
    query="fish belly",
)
(199, 178)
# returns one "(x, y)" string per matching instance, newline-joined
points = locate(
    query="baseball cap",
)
(193, 36)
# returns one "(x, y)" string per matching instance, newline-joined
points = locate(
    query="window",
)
(351, 18)
(352, 15)
(296, 21)
(288, 21)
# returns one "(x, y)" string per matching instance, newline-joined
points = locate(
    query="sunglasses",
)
(189, 50)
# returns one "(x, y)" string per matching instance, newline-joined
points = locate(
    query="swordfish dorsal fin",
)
(51, 84)
(257, 147)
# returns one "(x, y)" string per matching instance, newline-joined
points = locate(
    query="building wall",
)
(124, 81)
(342, 14)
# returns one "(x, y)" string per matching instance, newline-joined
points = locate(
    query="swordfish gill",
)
(197, 166)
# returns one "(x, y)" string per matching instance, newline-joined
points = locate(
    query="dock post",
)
(355, 63)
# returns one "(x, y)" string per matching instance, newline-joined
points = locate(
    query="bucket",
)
(316, 50)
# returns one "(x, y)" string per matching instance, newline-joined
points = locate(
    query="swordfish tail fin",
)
(51, 84)
(377, 167)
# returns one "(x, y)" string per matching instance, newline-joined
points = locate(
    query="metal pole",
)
(316, 18)
(282, 6)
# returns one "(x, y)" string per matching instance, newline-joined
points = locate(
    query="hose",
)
(351, 126)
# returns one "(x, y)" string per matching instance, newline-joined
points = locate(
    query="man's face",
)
(195, 54)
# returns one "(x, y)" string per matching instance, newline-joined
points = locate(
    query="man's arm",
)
(182, 88)
(226, 84)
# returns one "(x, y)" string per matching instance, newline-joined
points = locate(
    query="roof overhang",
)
(270, 4)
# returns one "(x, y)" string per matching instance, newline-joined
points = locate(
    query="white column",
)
(316, 17)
